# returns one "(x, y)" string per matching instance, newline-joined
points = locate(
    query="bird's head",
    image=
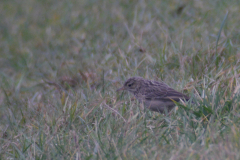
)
(132, 84)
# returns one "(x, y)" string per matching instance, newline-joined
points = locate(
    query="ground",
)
(62, 61)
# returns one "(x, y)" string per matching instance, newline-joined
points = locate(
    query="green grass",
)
(62, 61)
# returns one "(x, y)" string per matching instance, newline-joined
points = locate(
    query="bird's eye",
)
(129, 85)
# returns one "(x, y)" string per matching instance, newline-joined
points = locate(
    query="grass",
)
(61, 62)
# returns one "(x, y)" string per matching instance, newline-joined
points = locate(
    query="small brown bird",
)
(156, 96)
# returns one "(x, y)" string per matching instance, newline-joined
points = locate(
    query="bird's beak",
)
(120, 89)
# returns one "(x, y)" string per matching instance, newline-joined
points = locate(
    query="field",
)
(62, 61)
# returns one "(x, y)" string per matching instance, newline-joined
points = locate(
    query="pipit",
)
(156, 96)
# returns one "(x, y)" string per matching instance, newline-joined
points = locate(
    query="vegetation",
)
(62, 61)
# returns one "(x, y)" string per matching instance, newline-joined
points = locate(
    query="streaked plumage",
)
(156, 96)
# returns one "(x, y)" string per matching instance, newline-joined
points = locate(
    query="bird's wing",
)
(155, 92)
(164, 93)
(175, 95)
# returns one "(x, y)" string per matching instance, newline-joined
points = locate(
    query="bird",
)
(156, 96)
